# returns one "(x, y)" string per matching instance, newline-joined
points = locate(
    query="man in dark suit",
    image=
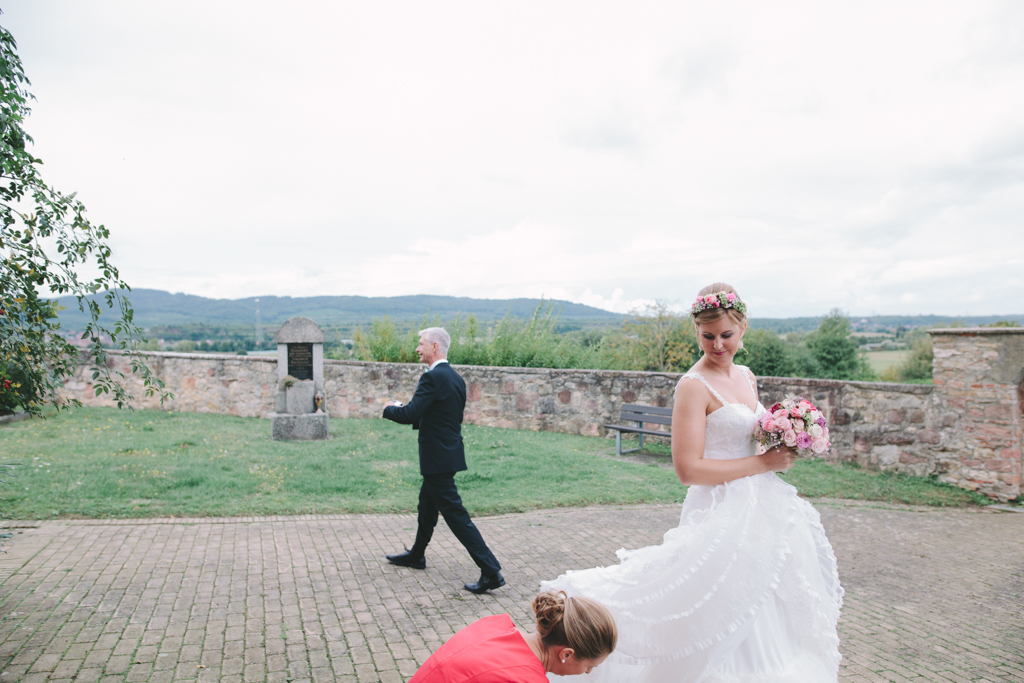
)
(436, 411)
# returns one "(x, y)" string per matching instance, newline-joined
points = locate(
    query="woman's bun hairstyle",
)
(583, 624)
(710, 315)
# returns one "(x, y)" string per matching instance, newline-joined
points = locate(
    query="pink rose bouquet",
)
(797, 423)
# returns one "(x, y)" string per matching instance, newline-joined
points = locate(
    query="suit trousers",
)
(438, 495)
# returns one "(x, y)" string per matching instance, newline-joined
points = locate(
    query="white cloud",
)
(865, 156)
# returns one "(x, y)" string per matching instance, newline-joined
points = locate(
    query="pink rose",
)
(803, 440)
(710, 299)
(819, 446)
(765, 417)
(769, 426)
(789, 437)
(779, 414)
(798, 425)
(795, 412)
(783, 424)
(730, 296)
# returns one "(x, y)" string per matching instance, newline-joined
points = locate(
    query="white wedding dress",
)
(745, 589)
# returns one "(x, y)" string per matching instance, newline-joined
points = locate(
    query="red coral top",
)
(488, 651)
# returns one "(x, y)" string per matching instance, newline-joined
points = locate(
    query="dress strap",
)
(698, 376)
(750, 379)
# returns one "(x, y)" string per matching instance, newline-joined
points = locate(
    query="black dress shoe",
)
(486, 583)
(407, 559)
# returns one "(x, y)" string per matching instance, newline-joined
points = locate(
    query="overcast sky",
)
(867, 155)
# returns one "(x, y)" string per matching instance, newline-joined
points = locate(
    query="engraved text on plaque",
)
(300, 361)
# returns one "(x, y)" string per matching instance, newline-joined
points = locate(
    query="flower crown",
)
(718, 300)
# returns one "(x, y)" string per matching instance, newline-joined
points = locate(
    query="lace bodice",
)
(729, 431)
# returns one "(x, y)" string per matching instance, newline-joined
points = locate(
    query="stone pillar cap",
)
(299, 330)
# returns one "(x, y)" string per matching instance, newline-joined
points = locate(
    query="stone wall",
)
(966, 429)
(979, 384)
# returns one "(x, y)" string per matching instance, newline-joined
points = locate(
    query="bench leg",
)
(641, 447)
(618, 444)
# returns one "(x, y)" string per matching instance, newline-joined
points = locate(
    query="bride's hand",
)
(780, 458)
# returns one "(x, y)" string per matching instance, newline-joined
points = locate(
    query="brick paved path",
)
(932, 595)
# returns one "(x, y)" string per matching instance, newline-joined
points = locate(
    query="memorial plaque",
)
(300, 361)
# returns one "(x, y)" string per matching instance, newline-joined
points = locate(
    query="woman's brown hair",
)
(583, 624)
(710, 315)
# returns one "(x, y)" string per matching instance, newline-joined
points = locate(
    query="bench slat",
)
(640, 417)
(638, 430)
(650, 410)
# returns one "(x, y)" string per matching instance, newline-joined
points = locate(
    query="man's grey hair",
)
(439, 335)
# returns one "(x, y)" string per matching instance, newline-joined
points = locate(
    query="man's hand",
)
(391, 402)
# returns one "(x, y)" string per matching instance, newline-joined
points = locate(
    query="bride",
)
(745, 589)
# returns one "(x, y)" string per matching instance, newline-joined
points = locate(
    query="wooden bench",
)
(639, 414)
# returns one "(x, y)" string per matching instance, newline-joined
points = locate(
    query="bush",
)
(835, 352)
(384, 344)
(766, 354)
(512, 342)
(185, 346)
(652, 338)
(918, 366)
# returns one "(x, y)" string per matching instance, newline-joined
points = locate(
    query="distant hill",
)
(156, 307)
(881, 322)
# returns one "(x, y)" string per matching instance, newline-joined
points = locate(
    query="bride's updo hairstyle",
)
(711, 314)
(583, 624)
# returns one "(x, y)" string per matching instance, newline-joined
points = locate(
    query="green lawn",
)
(882, 360)
(96, 462)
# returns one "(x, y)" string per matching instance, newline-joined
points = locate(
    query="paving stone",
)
(931, 595)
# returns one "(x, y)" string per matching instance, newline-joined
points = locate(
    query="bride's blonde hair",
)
(710, 315)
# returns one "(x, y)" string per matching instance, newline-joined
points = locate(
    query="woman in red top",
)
(573, 636)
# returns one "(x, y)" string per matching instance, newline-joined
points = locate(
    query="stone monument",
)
(300, 382)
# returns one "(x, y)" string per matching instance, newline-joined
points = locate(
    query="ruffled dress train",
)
(744, 590)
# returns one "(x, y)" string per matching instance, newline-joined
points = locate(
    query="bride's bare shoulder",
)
(690, 389)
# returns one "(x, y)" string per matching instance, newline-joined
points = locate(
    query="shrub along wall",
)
(966, 429)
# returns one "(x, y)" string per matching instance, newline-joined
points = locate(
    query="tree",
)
(46, 240)
(766, 354)
(834, 350)
(918, 365)
(653, 338)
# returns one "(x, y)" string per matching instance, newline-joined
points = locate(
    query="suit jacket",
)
(436, 410)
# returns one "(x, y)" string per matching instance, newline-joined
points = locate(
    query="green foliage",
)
(918, 367)
(46, 240)
(835, 352)
(384, 344)
(185, 346)
(1003, 323)
(653, 338)
(766, 354)
(656, 339)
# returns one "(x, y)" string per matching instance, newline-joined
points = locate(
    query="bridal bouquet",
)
(797, 423)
